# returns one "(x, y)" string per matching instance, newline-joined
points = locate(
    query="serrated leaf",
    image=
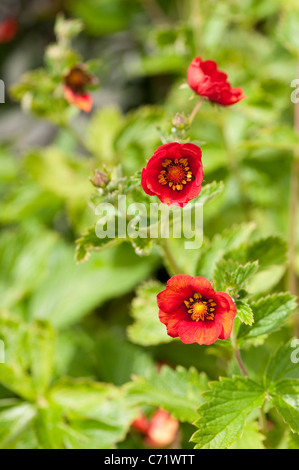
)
(244, 312)
(214, 250)
(285, 397)
(281, 365)
(223, 415)
(251, 437)
(267, 251)
(177, 391)
(229, 274)
(142, 246)
(147, 330)
(269, 314)
(89, 242)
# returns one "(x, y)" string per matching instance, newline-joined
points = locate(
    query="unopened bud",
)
(179, 121)
(100, 179)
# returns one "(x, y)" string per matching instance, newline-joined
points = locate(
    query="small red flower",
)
(206, 80)
(8, 30)
(174, 173)
(160, 430)
(194, 312)
(75, 83)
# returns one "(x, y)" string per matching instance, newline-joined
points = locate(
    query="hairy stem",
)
(238, 354)
(194, 112)
(170, 258)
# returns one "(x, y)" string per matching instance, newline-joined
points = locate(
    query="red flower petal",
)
(203, 286)
(177, 310)
(199, 332)
(206, 80)
(177, 290)
(82, 101)
(226, 317)
(189, 189)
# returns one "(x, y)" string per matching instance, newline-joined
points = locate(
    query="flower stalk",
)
(237, 353)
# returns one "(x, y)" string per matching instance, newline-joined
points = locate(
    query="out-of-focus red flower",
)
(174, 173)
(141, 424)
(194, 312)
(160, 430)
(206, 80)
(75, 83)
(8, 30)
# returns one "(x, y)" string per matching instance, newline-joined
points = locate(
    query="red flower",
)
(160, 430)
(194, 312)
(74, 88)
(206, 80)
(174, 173)
(8, 30)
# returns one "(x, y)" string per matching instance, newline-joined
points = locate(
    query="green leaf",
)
(29, 356)
(213, 251)
(147, 330)
(281, 365)
(293, 442)
(89, 242)
(223, 415)
(142, 246)
(209, 192)
(268, 251)
(285, 397)
(244, 312)
(177, 391)
(116, 360)
(15, 417)
(102, 131)
(287, 27)
(251, 437)
(24, 255)
(229, 274)
(50, 427)
(71, 291)
(93, 415)
(269, 314)
(41, 345)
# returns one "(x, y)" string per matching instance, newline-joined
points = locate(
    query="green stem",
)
(238, 354)
(170, 258)
(194, 112)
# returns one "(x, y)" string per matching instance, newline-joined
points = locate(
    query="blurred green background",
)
(144, 48)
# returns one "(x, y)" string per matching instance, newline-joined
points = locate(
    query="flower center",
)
(176, 174)
(77, 78)
(200, 309)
